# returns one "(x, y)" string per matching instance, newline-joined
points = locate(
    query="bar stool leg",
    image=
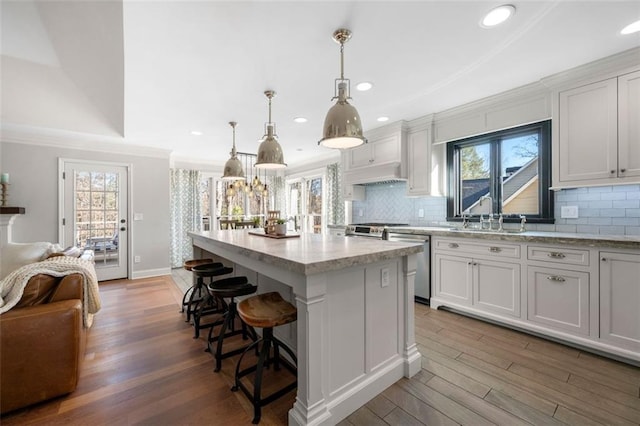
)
(257, 387)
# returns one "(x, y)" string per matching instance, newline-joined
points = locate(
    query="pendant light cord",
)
(342, 61)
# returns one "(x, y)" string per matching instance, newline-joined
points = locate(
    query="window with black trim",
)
(506, 172)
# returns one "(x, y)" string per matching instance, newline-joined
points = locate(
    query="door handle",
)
(556, 255)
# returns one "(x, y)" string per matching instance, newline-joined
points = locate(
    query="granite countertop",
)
(310, 253)
(566, 238)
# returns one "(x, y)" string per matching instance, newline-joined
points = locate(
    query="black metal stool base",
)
(268, 340)
(229, 288)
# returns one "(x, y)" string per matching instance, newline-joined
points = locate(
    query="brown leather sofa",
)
(42, 342)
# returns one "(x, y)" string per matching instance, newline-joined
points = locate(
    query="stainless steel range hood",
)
(391, 172)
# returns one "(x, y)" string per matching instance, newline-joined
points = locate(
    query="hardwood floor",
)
(144, 367)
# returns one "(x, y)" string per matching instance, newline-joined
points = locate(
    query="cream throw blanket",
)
(13, 285)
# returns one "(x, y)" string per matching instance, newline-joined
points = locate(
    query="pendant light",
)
(233, 166)
(270, 152)
(342, 126)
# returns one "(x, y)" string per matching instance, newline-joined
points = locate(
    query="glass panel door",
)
(95, 215)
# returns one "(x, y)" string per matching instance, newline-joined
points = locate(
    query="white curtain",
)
(186, 212)
(335, 200)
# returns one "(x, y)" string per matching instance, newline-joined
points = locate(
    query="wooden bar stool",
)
(267, 311)
(207, 304)
(188, 297)
(229, 288)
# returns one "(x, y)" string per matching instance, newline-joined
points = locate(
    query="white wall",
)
(33, 173)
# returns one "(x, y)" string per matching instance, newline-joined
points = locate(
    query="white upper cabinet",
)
(598, 133)
(418, 163)
(629, 124)
(376, 152)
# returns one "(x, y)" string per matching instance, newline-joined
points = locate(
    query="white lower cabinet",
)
(558, 298)
(620, 299)
(453, 278)
(586, 296)
(496, 287)
(485, 284)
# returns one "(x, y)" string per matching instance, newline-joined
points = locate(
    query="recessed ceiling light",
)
(497, 16)
(364, 86)
(633, 27)
(300, 120)
(383, 118)
(196, 133)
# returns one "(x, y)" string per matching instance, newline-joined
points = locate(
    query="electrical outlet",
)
(569, 212)
(136, 259)
(384, 277)
(420, 212)
(360, 213)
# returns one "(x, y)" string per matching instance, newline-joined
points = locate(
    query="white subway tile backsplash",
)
(600, 189)
(626, 204)
(613, 196)
(601, 210)
(627, 221)
(600, 204)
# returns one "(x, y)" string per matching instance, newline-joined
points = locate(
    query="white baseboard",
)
(147, 273)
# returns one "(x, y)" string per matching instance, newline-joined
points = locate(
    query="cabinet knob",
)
(371, 160)
(613, 172)
(604, 259)
(623, 170)
(556, 278)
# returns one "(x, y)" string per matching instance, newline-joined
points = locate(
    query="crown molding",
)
(421, 123)
(517, 95)
(56, 138)
(387, 129)
(603, 68)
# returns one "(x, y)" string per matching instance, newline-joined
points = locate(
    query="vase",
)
(281, 229)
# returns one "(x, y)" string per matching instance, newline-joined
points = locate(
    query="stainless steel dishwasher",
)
(423, 267)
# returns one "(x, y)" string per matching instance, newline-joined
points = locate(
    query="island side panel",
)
(412, 358)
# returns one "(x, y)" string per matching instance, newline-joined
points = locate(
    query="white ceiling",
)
(148, 73)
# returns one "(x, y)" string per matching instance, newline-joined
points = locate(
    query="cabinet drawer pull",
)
(495, 249)
(556, 278)
(453, 245)
(623, 170)
(612, 172)
(556, 255)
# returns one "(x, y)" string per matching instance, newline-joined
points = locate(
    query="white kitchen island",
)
(354, 335)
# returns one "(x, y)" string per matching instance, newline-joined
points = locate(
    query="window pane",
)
(474, 173)
(519, 175)
(295, 204)
(205, 201)
(314, 191)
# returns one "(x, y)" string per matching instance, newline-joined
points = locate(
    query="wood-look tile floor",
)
(144, 367)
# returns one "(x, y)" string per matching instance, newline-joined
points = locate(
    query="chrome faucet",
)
(490, 220)
(465, 221)
(500, 220)
(523, 220)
